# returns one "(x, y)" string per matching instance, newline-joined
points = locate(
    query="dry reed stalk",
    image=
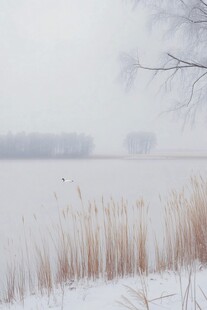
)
(188, 299)
(142, 241)
(63, 268)
(110, 259)
(198, 217)
(140, 297)
(92, 241)
(43, 270)
(20, 282)
(27, 253)
(186, 294)
(205, 295)
(62, 247)
(160, 262)
(9, 294)
(186, 222)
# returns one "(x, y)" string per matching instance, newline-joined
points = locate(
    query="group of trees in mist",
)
(140, 142)
(184, 64)
(45, 145)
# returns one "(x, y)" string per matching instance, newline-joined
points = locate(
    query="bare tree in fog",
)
(140, 142)
(186, 66)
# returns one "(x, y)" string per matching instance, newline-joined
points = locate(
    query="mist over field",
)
(61, 71)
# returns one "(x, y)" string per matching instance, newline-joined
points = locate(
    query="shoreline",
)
(164, 156)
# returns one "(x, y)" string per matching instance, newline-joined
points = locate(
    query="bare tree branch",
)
(202, 1)
(185, 65)
(181, 64)
(199, 9)
(193, 87)
(190, 64)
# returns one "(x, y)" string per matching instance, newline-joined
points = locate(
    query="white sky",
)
(60, 72)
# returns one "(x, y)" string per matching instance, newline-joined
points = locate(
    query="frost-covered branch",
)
(186, 63)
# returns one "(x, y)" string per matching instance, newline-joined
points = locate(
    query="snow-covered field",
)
(166, 291)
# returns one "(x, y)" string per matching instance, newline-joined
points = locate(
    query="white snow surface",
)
(102, 295)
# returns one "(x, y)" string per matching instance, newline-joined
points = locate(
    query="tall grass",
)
(185, 226)
(107, 241)
(110, 240)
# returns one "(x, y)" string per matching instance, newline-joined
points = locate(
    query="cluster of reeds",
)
(185, 226)
(110, 240)
(107, 241)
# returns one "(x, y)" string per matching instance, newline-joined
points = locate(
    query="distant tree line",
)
(45, 145)
(140, 142)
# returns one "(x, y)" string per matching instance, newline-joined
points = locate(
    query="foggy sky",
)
(60, 72)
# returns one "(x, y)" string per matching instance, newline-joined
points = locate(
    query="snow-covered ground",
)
(166, 291)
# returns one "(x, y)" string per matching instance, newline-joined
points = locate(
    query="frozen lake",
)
(27, 186)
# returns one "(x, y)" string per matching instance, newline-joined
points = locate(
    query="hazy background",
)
(60, 71)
